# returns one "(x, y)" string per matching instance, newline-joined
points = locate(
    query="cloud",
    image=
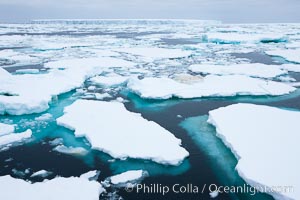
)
(225, 10)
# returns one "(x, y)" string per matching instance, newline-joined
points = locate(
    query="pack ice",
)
(30, 93)
(265, 142)
(111, 128)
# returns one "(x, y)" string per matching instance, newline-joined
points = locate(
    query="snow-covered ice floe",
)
(6, 129)
(156, 53)
(110, 80)
(63, 76)
(111, 128)
(58, 188)
(42, 173)
(76, 151)
(14, 137)
(128, 176)
(265, 141)
(249, 69)
(210, 85)
(292, 55)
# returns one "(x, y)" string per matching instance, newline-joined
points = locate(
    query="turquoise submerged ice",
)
(49, 67)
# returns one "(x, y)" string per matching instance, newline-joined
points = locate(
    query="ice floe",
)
(210, 85)
(65, 75)
(127, 176)
(6, 128)
(230, 37)
(265, 142)
(58, 188)
(292, 55)
(111, 128)
(14, 137)
(251, 69)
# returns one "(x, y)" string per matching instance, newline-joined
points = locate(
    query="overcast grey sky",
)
(231, 11)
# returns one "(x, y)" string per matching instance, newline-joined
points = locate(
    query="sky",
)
(228, 11)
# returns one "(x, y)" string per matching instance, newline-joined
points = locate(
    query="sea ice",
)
(58, 188)
(41, 173)
(111, 128)
(76, 151)
(110, 80)
(6, 129)
(251, 69)
(128, 176)
(156, 53)
(210, 85)
(265, 142)
(292, 55)
(75, 71)
(15, 137)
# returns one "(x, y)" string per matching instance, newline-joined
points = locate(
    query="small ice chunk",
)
(213, 194)
(41, 173)
(109, 80)
(79, 151)
(128, 176)
(27, 71)
(44, 117)
(102, 96)
(91, 175)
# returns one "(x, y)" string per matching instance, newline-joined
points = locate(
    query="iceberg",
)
(63, 76)
(111, 128)
(292, 55)
(58, 188)
(265, 141)
(209, 86)
(251, 69)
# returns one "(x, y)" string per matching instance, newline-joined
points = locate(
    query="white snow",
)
(265, 142)
(210, 85)
(292, 55)
(127, 176)
(6, 129)
(120, 133)
(15, 137)
(155, 52)
(42, 173)
(79, 151)
(100, 96)
(251, 69)
(17, 56)
(58, 188)
(290, 67)
(75, 72)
